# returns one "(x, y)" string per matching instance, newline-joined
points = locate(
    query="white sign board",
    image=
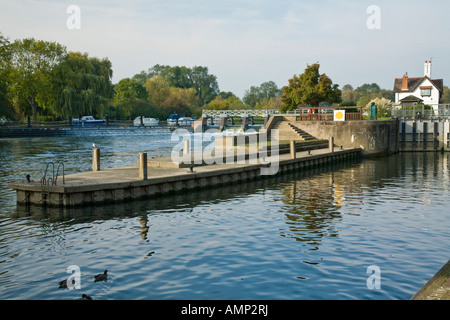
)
(339, 115)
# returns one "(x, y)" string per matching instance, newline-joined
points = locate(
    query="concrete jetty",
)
(438, 287)
(159, 176)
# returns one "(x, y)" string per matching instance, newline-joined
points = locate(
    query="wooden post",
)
(331, 144)
(95, 159)
(143, 171)
(292, 149)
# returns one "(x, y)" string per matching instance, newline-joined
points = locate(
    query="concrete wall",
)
(378, 137)
(424, 135)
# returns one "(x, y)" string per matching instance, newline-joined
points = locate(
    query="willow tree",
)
(30, 75)
(83, 85)
(310, 88)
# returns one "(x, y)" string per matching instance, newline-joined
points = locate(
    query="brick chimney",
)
(405, 82)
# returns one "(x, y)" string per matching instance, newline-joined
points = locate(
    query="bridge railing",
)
(302, 113)
(352, 113)
(422, 112)
(247, 113)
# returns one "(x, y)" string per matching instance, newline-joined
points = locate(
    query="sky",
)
(247, 42)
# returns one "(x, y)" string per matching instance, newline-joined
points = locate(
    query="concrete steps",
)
(304, 135)
(288, 131)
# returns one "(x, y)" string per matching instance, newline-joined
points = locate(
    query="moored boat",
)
(87, 120)
(179, 119)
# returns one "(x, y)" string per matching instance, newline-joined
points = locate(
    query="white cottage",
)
(409, 91)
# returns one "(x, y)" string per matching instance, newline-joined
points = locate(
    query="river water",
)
(371, 229)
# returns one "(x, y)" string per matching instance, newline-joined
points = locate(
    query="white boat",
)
(185, 121)
(173, 118)
(87, 120)
(146, 122)
(179, 119)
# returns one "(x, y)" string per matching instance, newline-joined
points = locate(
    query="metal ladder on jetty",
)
(45, 181)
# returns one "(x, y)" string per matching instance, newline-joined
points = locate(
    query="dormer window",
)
(425, 91)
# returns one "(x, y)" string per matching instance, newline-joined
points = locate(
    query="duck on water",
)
(102, 276)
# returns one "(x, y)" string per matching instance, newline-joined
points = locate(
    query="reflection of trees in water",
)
(311, 206)
(315, 201)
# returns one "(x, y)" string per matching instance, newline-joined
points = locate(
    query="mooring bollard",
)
(186, 147)
(331, 144)
(95, 159)
(143, 169)
(292, 149)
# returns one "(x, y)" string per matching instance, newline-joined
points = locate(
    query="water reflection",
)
(271, 233)
(315, 202)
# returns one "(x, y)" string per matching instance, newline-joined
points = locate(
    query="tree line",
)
(43, 80)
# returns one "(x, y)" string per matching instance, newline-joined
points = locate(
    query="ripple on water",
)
(300, 236)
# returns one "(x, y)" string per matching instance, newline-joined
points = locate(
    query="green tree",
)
(158, 90)
(131, 100)
(6, 108)
(171, 99)
(258, 97)
(348, 95)
(182, 77)
(32, 62)
(310, 88)
(252, 96)
(445, 95)
(366, 89)
(367, 92)
(205, 84)
(156, 70)
(129, 89)
(83, 85)
(178, 77)
(269, 90)
(225, 95)
(231, 102)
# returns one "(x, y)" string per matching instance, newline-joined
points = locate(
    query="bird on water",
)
(63, 284)
(85, 297)
(102, 276)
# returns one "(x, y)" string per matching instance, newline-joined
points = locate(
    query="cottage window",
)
(425, 92)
